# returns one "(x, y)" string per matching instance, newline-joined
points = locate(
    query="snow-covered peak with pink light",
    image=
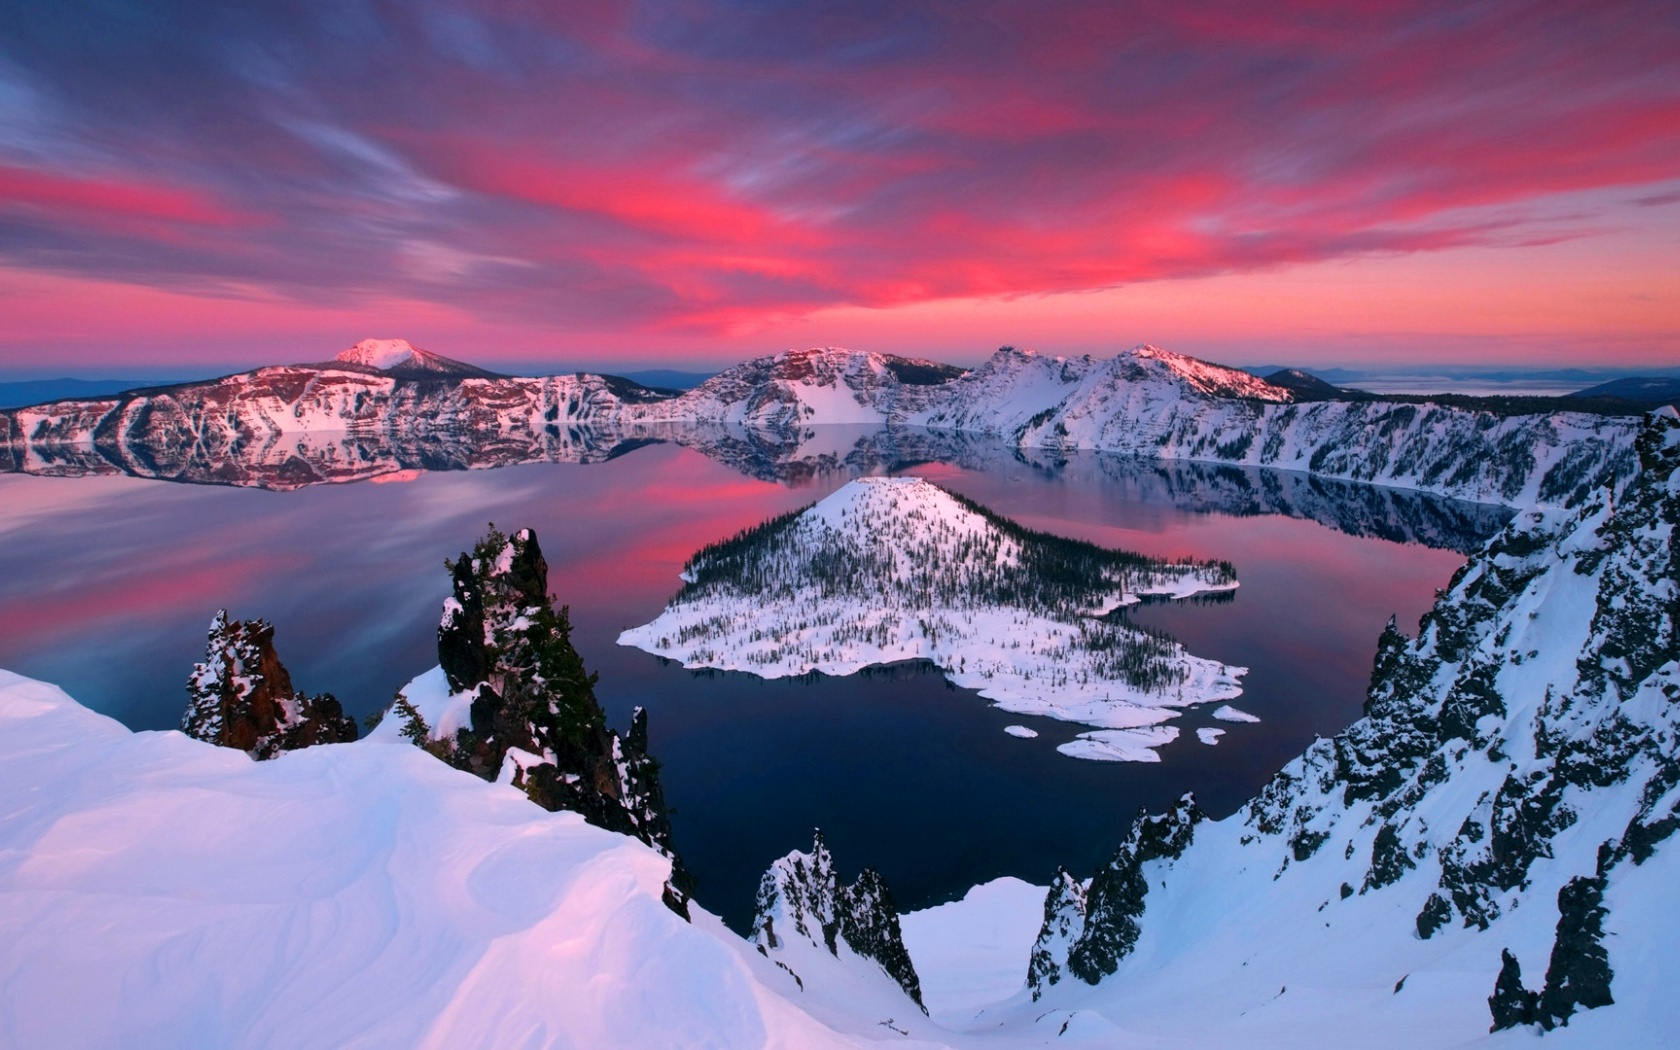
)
(379, 353)
(399, 357)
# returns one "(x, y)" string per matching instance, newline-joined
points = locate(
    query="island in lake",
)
(893, 569)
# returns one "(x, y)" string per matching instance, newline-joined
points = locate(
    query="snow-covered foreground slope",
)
(159, 891)
(969, 952)
(890, 569)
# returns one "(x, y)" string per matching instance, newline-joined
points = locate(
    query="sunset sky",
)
(191, 186)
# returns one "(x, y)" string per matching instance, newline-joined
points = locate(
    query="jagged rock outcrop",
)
(801, 900)
(1064, 922)
(532, 717)
(1511, 1003)
(1088, 929)
(241, 696)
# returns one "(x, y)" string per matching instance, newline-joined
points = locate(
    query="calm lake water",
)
(108, 583)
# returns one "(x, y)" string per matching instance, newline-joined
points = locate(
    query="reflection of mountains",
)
(789, 456)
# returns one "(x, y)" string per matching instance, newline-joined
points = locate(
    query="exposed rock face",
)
(1088, 930)
(1511, 1004)
(242, 697)
(534, 718)
(801, 898)
(1579, 973)
(1064, 922)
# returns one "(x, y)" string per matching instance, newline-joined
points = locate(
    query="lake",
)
(107, 584)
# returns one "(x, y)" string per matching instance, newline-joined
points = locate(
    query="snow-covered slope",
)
(1512, 788)
(889, 569)
(160, 891)
(1147, 402)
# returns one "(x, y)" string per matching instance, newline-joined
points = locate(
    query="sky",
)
(197, 185)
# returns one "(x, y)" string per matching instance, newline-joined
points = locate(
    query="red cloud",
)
(106, 203)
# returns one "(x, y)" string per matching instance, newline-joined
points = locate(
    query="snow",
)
(444, 712)
(1024, 659)
(160, 891)
(972, 953)
(1021, 731)
(378, 353)
(1121, 745)
(1209, 735)
(1227, 713)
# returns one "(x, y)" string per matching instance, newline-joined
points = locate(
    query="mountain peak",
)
(399, 357)
(1203, 376)
(379, 353)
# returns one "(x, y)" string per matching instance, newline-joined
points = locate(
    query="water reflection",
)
(797, 457)
(107, 583)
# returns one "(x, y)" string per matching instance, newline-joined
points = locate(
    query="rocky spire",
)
(240, 696)
(535, 720)
(802, 898)
(1064, 922)
(1088, 930)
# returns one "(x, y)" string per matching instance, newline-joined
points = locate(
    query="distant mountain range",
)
(385, 399)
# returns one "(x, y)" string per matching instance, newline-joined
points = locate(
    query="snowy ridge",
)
(1141, 403)
(290, 426)
(821, 386)
(890, 569)
(810, 923)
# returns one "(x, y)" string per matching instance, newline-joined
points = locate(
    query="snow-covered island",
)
(892, 569)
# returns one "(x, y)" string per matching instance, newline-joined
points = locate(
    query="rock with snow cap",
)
(241, 696)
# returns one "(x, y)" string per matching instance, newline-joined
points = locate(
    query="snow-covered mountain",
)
(823, 386)
(398, 358)
(889, 569)
(389, 401)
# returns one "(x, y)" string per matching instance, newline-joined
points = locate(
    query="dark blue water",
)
(107, 585)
